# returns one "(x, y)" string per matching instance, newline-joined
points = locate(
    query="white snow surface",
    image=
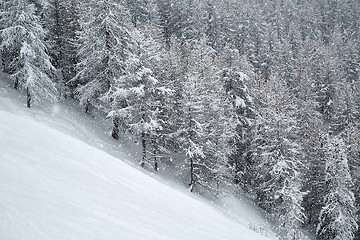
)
(63, 177)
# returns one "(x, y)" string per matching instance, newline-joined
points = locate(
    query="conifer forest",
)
(258, 96)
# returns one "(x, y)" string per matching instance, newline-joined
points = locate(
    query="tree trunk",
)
(115, 132)
(16, 84)
(28, 97)
(143, 144)
(191, 137)
(192, 178)
(156, 166)
(87, 106)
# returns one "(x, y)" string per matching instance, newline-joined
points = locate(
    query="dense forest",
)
(257, 95)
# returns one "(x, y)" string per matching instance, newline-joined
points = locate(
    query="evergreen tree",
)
(220, 123)
(62, 25)
(140, 11)
(151, 55)
(220, 137)
(279, 160)
(166, 20)
(188, 22)
(323, 71)
(25, 52)
(217, 25)
(105, 47)
(337, 217)
(353, 138)
(136, 98)
(311, 137)
(192, 131)
(236, 90)
(172, 72)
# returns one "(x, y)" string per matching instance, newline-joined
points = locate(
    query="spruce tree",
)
(25, 52)
(279, 160)
(160, 94)
(312, 132)
(62, 24)
(136, 104)
(193, 131)
(140, 11)
(236, 90)
(105, 46)
(337, 219)
(166, 20)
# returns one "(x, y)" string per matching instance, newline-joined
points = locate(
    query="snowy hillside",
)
(57, 182)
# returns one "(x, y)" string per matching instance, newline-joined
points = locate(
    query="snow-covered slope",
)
(58, 181)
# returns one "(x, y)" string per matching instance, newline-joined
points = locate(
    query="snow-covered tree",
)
(353, 142)
(152, 55)
(235, 88)
(25, 52)
(279, 160)
(188, 22)
(311, 136)
(168, 69)
(192, 131)
(220, 135)
(206, 132)
(140, 11)
(62, 24)
(137, 95)
(337, 219)
(134, 105)
(216, 25)
(105, 48)
(323, 71)
(166, 20)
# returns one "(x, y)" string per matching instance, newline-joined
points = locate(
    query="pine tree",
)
(166, 20)
(139, 10)
(192, 131)
(153, 56)
(206, 133)
(188, 21)
(279, 160)
(105, 47)
(221, 125)
(353, 138)
(235, 88)
(337, 217)
(136, 99)
(26, 57)
(215, 26)
(171, 72)
(323, 66)
(311, 136)
(62, 26)
(346, 121)
(134, 106)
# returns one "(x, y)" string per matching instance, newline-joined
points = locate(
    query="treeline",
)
(260, 95)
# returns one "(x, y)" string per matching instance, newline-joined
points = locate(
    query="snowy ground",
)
(62, 177)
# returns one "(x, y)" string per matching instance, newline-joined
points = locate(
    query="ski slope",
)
(62, 177)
